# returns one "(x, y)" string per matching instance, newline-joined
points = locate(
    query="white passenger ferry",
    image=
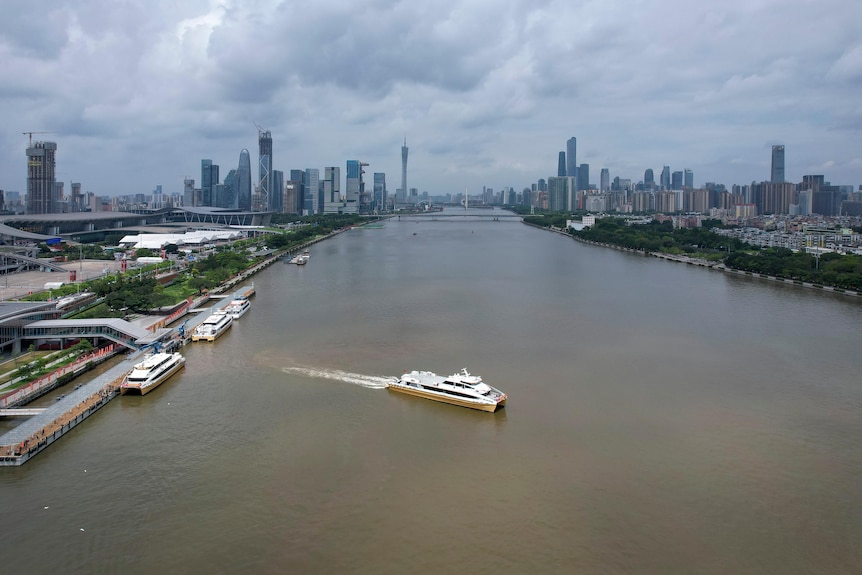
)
(237, 307)
(212, 327)
(153, 370)
(461, 389)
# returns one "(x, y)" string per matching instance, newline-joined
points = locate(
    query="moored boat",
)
(212, 327)
(462, 389)
(152, 371)
(237, 307)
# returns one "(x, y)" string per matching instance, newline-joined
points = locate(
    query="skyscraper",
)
(332, 202)
(298, 177)
(225, 195)
(379, 191)
(665, 178)
(583, 178)
(264, 182)
(243, 181)
(277, 205)
(689, 178)
(561, 165)
(777, 164)
(311, 187)
(209, 179)
(605, 182)
(649, 179)
(41, 168)
(403, 197)
(676, 181)
(572, 157)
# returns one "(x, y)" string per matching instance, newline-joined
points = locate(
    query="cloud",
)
(486, 91)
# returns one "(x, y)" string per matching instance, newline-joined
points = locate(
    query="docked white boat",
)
(212, 327)
(461, 389)
(237, 307)
(153, 370)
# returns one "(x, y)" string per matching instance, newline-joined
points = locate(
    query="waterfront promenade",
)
(39, 431)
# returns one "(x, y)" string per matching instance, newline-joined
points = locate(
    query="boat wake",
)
(369, 381)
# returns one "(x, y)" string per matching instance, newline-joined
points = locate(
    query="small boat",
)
(152, 371)
(212, 327)
(462, 389)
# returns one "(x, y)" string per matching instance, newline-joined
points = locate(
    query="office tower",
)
(225, 195)
(561, 165)
(379, 191)
(676, 181)
(292, 190)
(542, 185)
(331, 186)
(209, 179)
(401, 197)
(298, 177)
(264, 182)
(355, 188)
(188, 192)
(689, 179)
(777, 164)
(310, 189)
(583, 179)
(243, 181)
(605, 183)
(277, 191)
(665, 178)
(649, 179)
(572, 157)
(41, 168)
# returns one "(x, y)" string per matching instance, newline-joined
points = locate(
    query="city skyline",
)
(136, 97)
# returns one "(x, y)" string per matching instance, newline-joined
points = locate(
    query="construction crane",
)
(31, 135)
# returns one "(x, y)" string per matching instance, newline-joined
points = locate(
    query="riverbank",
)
(700, 262)
(34, 435)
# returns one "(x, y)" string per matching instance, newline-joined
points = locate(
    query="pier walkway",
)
(33, 435)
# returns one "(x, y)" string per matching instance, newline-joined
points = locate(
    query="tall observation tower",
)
(402, 193)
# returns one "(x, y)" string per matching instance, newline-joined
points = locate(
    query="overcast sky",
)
(487, 92)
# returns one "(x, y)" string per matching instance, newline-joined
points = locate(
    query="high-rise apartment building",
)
(41, 176)
(572, 157)
(777, 164)
(560, 193)
(243, 181)
(264, 182)
(561, 165)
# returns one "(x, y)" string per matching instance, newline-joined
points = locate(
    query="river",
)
(662, 418)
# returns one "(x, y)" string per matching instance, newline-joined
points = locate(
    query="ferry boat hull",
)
(212, 335)
(461, 389)
(409, 390)
(143, 389)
